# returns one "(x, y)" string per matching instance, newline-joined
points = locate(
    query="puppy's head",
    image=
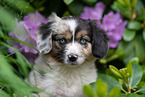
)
(72, 41)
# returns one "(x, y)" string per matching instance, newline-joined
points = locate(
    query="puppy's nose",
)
(72, 57)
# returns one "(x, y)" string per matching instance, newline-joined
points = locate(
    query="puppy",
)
(70, 46)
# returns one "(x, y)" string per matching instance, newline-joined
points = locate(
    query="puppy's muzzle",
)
(72, 57)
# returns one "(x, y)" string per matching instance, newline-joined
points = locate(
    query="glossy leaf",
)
(114, 92)
(101, 88)
(90, 1)
(67, 2)
(129, 69)
(88, 91)
(21, 5)
(139, 5)
(143, 34)
(134, 60)
(141, 16)
(7, 19)
(121, 2)
(4, 94)
(128, 48)
(111, 82)
(76, 7)
(140, 48)
(142, 90)
(133, 3)
(127, 2)
(133, 95)
(135, 25)
(129, 35)
(136, 75)
(117, 6)
(115, 71)
(123, 72)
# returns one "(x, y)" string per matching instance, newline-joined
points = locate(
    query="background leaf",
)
(129, 35)
(101, 88)
(142, 90)
(67, 2)
(140, 48)
(88, 91)
(111, 82)
(137, 74)
(134, 25)
(114, 92)
(143, 34)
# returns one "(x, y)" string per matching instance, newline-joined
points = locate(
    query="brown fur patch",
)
(80, 34)
(68, 35)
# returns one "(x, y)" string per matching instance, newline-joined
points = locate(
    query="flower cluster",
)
(25, 31)
(111, 23)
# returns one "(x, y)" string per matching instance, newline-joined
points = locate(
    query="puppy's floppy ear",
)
(99, 40)
(44, 38)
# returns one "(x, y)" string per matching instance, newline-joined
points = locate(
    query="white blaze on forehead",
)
(74, 48)
(72, 26)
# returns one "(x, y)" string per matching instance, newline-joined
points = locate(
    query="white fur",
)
(72, 24)
(74, 48)
(62, 80)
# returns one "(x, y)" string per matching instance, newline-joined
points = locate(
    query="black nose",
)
(72, 57)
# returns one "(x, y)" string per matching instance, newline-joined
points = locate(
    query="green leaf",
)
(4, 94)
(128, 48)
(141, 16)
(121, 2)
(101, 88)
(67, 2)
(90, 1)
(123, 72)
(117, 6)
(111, 82)
(143, 34)
(134, 25)
(114, 92)
(133, 95)
(139, 6)
(115, 71)
(129, 69)
(88, 91)
(136, 75)
(21, 5)
(134, 60)
(129, 35)
(133, 3)
(76, 7)
(140, 48)
(6, 19)
(141, 90)
(127, 2)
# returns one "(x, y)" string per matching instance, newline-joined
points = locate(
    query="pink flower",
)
(112, 23)
(25, 31)
(93, 13)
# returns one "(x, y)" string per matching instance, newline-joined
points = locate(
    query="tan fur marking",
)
(80, 34)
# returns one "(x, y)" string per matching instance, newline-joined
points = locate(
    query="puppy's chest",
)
(68, 81)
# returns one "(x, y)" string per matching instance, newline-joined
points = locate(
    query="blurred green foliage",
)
(128, 81)
(125, 79)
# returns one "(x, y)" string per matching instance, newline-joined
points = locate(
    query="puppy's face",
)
(71, 41)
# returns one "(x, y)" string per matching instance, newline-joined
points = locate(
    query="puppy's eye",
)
(83, 41)
(62, 41)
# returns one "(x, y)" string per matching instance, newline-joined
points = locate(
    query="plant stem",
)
(124, 91)
(129, 89)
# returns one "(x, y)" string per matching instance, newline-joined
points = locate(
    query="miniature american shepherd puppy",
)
(70, 46)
